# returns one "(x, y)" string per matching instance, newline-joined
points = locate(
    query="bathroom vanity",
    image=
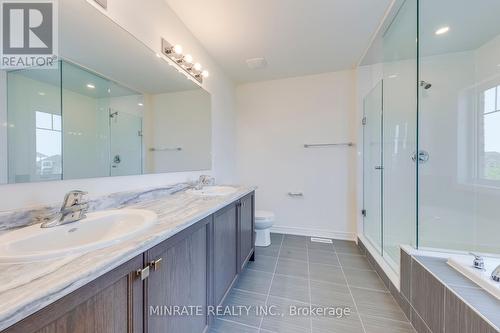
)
(190, 257)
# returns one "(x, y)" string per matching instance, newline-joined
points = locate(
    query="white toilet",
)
(264, 220)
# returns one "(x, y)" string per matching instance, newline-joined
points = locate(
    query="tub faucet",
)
(478, 262)
(495, 275)
(72, 210)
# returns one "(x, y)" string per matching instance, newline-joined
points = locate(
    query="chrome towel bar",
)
(166, 149)
(319, 145)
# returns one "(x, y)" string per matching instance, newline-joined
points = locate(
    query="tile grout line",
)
(272, 279)
(280, 297)
(296, 300)
(393, 297)
(385, 291)
(350, 292)
(309, 287)
(237, 323)
(322, 263)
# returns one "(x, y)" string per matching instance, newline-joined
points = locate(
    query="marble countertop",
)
(28, 287)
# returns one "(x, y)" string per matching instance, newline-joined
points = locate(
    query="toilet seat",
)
(264, 215)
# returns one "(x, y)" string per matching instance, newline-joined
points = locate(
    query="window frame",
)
(479, 173)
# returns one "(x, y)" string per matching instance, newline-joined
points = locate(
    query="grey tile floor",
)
(293, 271)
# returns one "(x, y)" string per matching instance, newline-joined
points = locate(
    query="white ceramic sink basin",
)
(214, 190)
(98, 230)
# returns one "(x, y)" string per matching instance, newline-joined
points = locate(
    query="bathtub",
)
(463, 264)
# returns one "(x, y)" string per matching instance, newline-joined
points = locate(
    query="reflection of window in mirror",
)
(489, 137)
(48, 145)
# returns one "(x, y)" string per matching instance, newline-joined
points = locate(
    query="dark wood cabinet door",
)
(180, 281)
(225, 250)
(246, 234)
(112, 303)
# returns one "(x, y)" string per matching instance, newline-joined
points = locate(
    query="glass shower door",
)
(126, 143)
(373, 166)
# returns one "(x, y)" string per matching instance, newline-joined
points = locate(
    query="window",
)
(489, 168)
(48, 145)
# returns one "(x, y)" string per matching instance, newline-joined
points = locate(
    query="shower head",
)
(425, 85)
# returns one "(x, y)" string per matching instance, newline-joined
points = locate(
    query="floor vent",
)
(321, 240)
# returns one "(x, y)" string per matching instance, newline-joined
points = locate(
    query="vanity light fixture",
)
(184, 62)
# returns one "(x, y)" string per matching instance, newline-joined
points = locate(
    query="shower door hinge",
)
(363, 212)
(363, 121)
(139, 133)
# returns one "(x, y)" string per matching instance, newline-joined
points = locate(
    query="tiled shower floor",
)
(295, 271)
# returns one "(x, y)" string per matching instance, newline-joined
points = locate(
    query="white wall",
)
(181, 119)
(275, 119)
(3, 128)
(85, 137)
(149, 21)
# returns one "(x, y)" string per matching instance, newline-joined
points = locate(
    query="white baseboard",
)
(315, 233)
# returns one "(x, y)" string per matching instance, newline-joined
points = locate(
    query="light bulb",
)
(205, 73)
(442, 30)
(188, 59)
(197, 66)
(178, 49)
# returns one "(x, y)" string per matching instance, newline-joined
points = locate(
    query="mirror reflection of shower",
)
(426, 85)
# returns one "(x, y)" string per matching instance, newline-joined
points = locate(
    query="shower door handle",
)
(422, 156)
(379, 167)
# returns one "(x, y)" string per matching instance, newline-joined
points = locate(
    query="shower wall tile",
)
(462, 319)
(405, 273)
(427, 297)
(418, 323)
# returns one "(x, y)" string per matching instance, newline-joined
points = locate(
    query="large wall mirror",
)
(110, 108)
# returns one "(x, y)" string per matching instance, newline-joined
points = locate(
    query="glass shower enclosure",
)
(389, 136)
(430, 103)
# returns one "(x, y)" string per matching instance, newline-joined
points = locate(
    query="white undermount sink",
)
(214, 190)
(98, 230)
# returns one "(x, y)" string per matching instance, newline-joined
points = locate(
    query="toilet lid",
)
(263, 215)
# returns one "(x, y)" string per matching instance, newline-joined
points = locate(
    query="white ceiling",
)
(297, 37)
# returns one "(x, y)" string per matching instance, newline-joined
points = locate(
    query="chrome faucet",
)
(478, 262)
(204, 180)
(495, 275)
(72, 210)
